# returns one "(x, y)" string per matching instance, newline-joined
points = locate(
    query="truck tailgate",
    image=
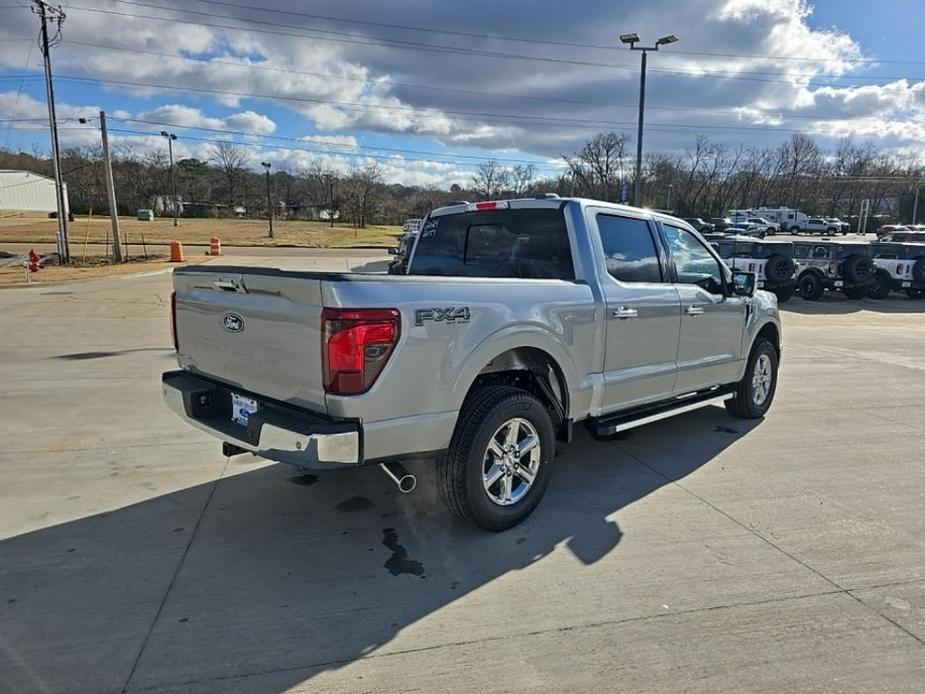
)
(254, 329)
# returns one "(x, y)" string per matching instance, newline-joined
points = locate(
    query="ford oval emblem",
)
(232, 322)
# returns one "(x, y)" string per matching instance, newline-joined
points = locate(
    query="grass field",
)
(12, 276)
(232, 232)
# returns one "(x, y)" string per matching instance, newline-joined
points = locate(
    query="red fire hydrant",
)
(34, 264)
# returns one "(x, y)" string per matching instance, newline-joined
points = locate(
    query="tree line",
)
(704, 180)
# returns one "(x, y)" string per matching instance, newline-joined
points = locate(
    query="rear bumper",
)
(276, 431)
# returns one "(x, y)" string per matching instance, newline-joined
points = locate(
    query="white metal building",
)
(27, 192)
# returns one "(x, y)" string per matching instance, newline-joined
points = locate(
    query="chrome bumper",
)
(287, 436)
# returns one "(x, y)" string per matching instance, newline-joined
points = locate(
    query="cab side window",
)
(694, 263)
(629, 249)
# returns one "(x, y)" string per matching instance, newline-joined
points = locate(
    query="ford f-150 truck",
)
(514, 320)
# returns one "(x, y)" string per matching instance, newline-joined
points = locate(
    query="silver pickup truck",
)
(515, 320)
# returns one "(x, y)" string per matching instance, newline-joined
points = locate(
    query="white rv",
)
(788, 219)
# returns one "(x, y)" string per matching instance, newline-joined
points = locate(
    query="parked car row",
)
(901, 232)
(809, 268)
(742, 224)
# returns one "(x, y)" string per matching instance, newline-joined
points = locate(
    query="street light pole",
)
(267, 165)
(173, 176)
(632, 40)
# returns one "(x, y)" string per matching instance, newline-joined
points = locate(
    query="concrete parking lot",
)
(699, 554)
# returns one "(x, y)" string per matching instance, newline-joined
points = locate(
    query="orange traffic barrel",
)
(176, 252)
(215, 246)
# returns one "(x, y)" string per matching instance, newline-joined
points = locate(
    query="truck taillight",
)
(356, 343)
(833, 268)
(173, 321)
(488, 205)
(900, 269)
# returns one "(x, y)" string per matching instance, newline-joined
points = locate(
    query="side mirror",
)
(743, 283)
(393, 250)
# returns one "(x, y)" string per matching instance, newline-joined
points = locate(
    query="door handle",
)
(624, 312)
(693, 310)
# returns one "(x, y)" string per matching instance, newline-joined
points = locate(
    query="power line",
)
(208, 61)
(345, 146)
(264, 146)
(531, 121)
(500, 37)
(424, 46)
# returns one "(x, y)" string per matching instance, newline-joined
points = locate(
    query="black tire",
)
(880, 289)
(794, 230)
(784, 294)
(855, 292)
(858, 269)
(810, 287)
(778, 268)
(745, 405)
(459, 474)
(917, 293)
(918, 270)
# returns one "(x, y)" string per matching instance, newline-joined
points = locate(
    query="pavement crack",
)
(793, 557)
(493, 639)
(173, 579)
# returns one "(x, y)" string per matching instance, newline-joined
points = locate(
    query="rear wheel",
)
(916, 292)
(784, 294)
(855, 293)
(755, 392)
(500, 458)
(880, 289)
(811, 287)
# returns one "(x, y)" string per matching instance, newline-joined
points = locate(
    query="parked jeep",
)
(833, 265)
(772, 261)
(900, 266)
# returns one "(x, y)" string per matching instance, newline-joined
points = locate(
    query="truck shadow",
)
(290, 575)
(833, 303)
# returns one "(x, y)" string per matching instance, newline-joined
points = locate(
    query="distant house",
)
(26, 192)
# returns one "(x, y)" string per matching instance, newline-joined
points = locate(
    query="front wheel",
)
(917, 293)
(500, 458)
(755, 392)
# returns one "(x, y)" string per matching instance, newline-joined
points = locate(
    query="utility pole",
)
(56, 14)
(111, 192)
(915, 206)
(266, 165)
(632, 40)
(173, 176)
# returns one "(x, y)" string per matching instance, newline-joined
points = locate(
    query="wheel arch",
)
(768, 331)
(531, 368)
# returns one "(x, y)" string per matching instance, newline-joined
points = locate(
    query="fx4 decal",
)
(451, 314)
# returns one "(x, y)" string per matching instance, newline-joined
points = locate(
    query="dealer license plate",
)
(242, 408)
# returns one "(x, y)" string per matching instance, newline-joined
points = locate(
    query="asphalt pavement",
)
(698, 554)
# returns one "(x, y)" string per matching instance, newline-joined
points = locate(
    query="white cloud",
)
(345, 88)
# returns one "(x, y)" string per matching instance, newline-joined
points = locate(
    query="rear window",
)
(530, 244)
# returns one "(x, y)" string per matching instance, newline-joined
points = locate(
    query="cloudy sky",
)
(429, 89)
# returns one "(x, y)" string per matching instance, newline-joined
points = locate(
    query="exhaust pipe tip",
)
(404, 480)
(407, 484)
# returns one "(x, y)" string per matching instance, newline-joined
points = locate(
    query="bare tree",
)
(229, 158)
(490, 179)
(323, 183)
(598, 168)
(521, 176)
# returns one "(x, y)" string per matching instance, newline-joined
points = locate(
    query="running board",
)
(621, 421)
